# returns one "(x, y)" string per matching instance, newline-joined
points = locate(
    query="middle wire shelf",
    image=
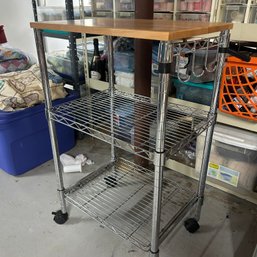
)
(134, 125)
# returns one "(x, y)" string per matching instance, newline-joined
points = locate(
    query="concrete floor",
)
(228, 224)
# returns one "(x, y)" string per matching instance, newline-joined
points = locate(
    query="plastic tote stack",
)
(25, 140)
(233, 160)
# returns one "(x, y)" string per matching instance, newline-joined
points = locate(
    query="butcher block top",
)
(163, 30)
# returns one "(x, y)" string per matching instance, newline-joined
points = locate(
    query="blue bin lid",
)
(7, 117)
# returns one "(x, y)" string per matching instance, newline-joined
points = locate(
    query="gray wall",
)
(16, 15)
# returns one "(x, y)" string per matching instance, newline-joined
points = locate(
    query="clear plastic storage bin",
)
(104, 5)
(60, 62)
(233, 158)
(125, 5)
(163, 16)
(253, 14)
(233, 13)
(195, 6)
(103, 14)
(167, 6)
(51, 13)
(193, 17)
(125, 15)
(234, 1)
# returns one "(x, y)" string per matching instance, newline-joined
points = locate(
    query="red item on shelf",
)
(2, 35)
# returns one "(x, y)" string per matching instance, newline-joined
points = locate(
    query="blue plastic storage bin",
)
(194, 92)
(25, 141)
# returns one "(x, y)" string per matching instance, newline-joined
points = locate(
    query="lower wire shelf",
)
(120, 196)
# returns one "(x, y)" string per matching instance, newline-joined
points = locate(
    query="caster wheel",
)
(191, 225)
(59, 217)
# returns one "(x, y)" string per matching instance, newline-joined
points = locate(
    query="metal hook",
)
(206, 58)
(193, 63)
(178, 58)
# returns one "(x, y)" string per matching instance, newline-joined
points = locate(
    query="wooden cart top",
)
(135, 28)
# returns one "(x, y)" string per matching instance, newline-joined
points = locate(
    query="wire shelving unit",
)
(139, 204)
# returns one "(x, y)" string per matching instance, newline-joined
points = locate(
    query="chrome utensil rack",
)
(139, 204)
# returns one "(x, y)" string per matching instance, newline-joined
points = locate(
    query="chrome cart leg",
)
(164, 59)
(113, 178)
(224, 43)
(61, 216)
(111, 88)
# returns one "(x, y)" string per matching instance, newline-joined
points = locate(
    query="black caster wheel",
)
(191, 225)
(59, 217)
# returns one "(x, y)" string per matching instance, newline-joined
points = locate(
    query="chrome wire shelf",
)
(120, 196)
(134, 121)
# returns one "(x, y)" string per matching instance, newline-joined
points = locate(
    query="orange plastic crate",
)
(238, 92)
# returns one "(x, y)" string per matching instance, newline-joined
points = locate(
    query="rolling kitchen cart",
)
(129, 199)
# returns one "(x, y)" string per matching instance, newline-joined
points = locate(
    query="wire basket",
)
(238, 93)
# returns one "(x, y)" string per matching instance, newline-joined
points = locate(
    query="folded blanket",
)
(24, 88)
(13, 60)
(7, 53)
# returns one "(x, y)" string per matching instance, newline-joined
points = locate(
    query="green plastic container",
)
(194, 92)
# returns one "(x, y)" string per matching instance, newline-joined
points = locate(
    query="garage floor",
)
(228, 224)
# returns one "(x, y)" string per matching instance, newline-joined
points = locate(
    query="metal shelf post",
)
(51, 125)
(111, 88)
(164, 59)
(224, 43)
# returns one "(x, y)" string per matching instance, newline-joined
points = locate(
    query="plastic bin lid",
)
(235, 136)
(206, 85)
(8, 117)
